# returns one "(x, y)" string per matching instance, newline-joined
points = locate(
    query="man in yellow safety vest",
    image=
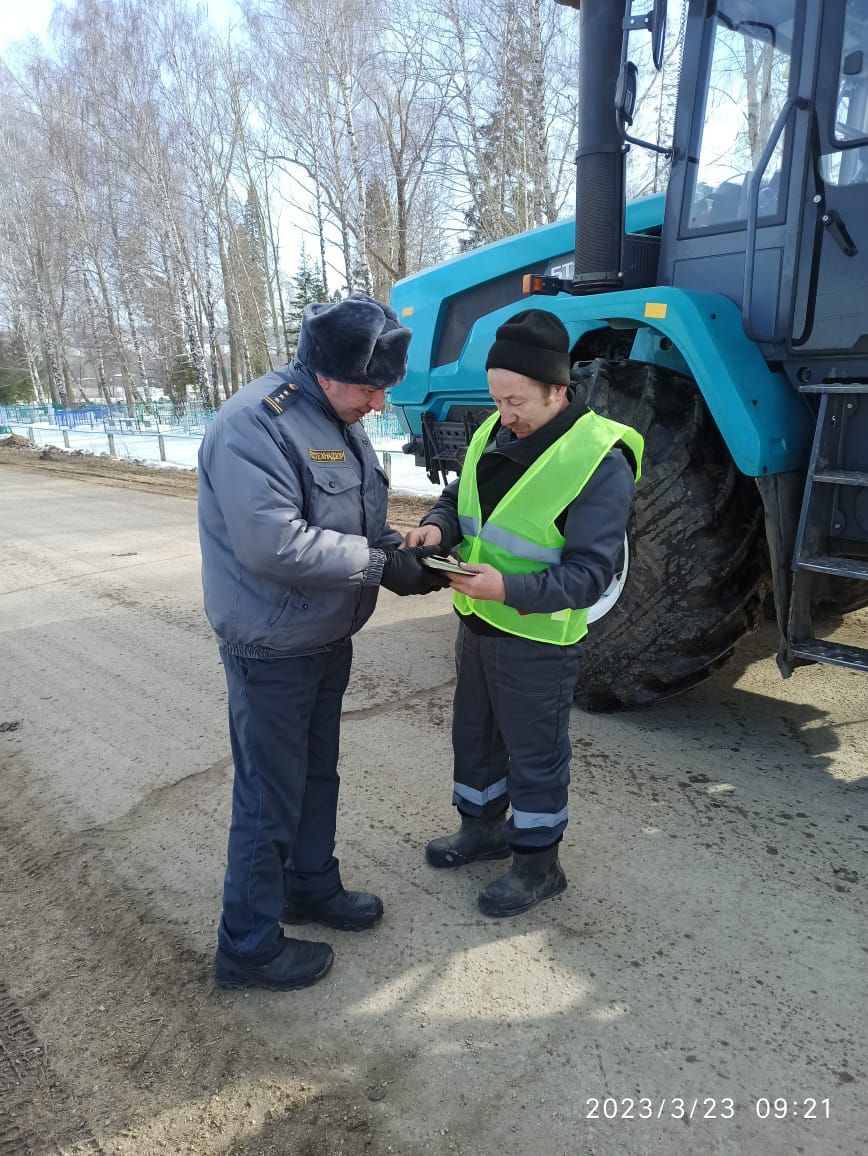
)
(539, 517)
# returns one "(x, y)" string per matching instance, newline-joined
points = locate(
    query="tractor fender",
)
(765, 423)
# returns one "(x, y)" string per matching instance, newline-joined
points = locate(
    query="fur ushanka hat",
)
(359, 341)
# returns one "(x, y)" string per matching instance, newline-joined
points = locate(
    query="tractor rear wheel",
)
(696, 571)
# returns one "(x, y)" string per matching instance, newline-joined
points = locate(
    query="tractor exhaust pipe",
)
(600, 177)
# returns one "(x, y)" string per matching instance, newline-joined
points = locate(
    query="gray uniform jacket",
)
(291, 501)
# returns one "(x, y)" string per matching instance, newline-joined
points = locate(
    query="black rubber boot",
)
(531, 879)
(299, 964)
(345, 911)
(475, 839)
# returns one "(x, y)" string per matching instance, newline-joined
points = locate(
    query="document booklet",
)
(448, 565)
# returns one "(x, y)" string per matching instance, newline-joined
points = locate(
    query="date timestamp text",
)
(704, 1108)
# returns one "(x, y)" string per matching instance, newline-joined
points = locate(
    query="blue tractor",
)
(727, 320)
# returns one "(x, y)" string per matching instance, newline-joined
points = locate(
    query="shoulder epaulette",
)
(276, 401)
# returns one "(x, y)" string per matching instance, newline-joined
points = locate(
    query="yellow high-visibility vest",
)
(520, 535)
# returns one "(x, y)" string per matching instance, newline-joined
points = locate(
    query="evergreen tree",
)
(253, 223)
(306, 286)
(250, 254)
(381, 237)
(15, 383)
(181, 383)
(509, 181)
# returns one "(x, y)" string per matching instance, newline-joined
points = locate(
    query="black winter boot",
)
(532, 878)
(476, 839)
(345, 911)
(299, 963)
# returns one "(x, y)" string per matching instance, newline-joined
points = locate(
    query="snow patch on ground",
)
(181, 450)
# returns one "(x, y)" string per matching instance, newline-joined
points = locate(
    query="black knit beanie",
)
(534, 343)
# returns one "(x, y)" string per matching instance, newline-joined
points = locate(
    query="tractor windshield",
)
(748, 81)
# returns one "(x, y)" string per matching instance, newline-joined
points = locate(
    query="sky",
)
(24, 18)
(18, 20)
(21, 18)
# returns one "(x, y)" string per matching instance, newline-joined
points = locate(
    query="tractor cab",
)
(768, 195)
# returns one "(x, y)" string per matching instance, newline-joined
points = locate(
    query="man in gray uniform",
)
(295, 544)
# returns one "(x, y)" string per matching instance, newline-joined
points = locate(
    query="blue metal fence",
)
(92, 415)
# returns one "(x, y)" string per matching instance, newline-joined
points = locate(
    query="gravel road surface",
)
(708, 958)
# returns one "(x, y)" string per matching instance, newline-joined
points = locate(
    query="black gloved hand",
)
(403, 572)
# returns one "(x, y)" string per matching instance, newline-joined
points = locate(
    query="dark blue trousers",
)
(284, 725)
(510, 733)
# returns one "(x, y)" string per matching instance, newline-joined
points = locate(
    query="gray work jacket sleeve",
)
(390, 539)
(258, 486)
(444, 514)
(593, 547)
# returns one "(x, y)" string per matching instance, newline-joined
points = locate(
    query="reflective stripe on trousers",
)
(525, 819)
(480, 798)
(510, 732)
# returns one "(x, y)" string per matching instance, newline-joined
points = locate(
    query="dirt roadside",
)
(710, 949)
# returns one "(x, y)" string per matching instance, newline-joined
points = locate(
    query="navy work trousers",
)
(284, 724)
(510, 733)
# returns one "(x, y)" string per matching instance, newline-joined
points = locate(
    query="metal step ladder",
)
(833, 523)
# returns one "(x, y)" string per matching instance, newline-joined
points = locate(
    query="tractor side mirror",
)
(658, 32)
(653, 21)
(625, 92)
(625, 107)
(627, 88)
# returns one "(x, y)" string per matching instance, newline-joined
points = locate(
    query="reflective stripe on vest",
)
(520, 546)
(520, 535)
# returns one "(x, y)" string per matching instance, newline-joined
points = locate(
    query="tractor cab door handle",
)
(839, 232)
